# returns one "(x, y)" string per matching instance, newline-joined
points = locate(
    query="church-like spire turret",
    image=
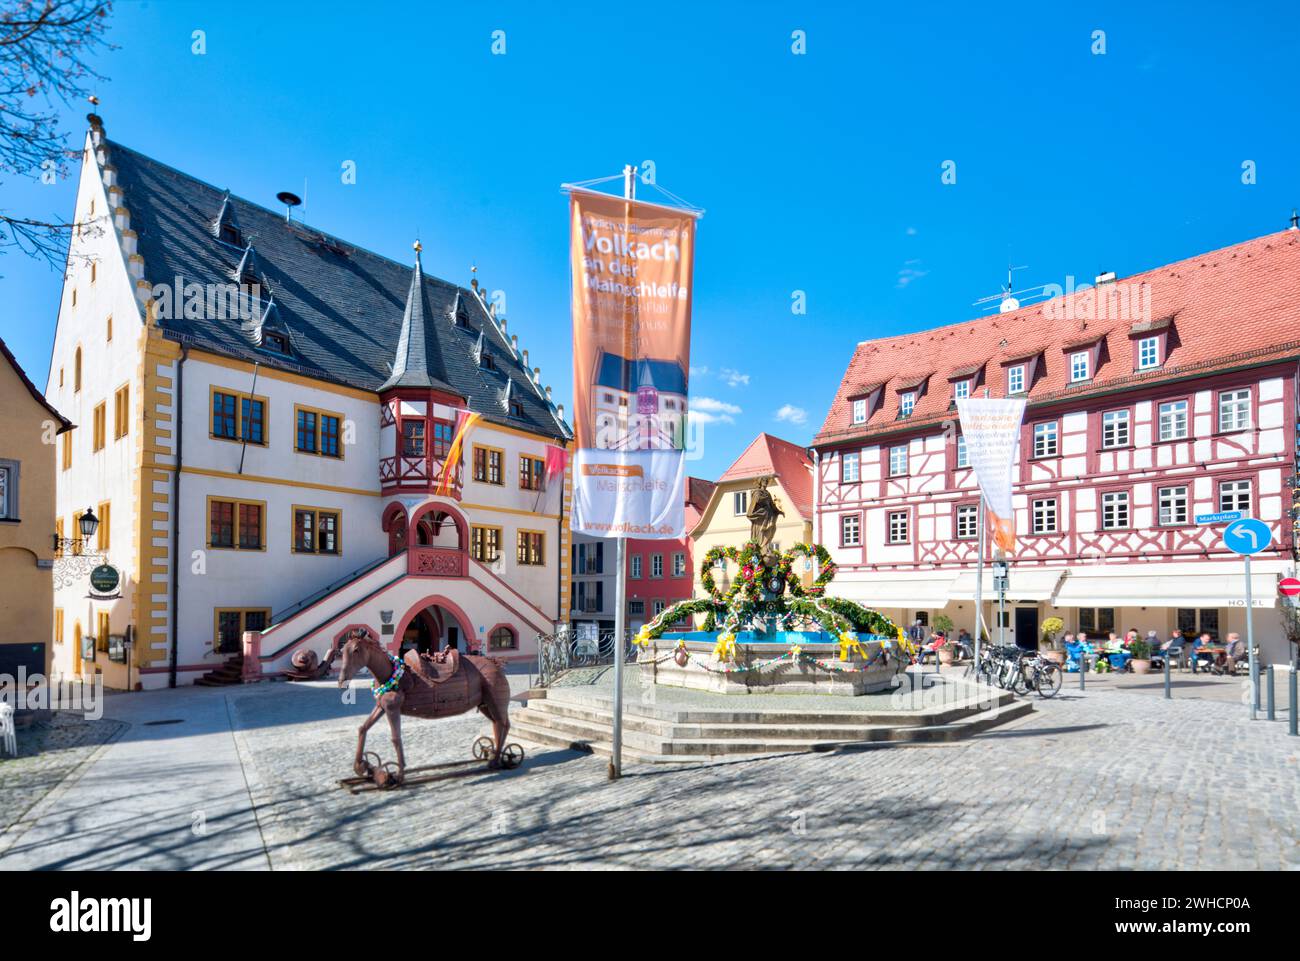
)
(418, 362)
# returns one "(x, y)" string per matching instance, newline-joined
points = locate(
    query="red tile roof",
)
(1232, 306)
(768, 456)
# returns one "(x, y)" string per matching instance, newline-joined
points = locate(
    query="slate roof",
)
(342, 305)
(64, 423)
(1233, 307)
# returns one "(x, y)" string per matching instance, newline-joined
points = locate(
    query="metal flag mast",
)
(620, 581)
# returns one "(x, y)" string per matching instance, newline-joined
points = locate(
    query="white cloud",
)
(699, 371)
(791, 414)
(910, 271)
(734, 378)
(709, 410)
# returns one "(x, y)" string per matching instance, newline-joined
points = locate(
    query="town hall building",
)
(284, 437)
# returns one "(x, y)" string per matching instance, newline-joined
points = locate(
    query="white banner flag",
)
(991, 429)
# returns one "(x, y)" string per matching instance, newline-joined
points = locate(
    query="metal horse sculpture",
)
(423, 686)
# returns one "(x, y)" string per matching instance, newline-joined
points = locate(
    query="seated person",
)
(1196, 655)
(1234, 653)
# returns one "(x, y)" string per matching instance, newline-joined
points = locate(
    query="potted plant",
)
(1047, 640)
(947, 652)
(1140, 661)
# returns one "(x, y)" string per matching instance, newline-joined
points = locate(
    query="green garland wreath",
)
(748, 597)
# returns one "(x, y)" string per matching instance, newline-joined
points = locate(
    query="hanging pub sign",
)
(104, 580)
(632, 266)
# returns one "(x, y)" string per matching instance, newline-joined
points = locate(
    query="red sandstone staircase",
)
(230, 672)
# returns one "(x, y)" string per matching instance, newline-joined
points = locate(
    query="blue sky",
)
(820, 173)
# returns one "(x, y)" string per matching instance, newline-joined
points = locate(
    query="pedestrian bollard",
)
(1291, 700)
(1083, 669)
(1168, 695)
(1272, 715)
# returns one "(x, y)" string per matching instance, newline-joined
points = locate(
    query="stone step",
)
(838, 727)
(564, 731)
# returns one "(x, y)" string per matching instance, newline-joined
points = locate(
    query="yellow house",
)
(28, 621)
(724, 522)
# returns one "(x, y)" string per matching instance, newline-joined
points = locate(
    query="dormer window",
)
(1148, 353)
(488, 362)
(1080, 366)
(906, 403)
(1016, 379)
(860, 411)
(961, 390)
(275, 342)
(229, 234)
(516, 409)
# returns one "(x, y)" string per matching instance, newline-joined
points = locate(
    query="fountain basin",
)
(761, 663)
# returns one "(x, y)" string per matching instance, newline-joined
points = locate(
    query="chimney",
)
(1295, 219)
(1106, 277)
(560, 410)
(525, 358)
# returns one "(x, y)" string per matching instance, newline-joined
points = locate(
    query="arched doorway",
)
(432, 625)
(395, 525)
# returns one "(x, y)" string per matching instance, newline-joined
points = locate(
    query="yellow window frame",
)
(237, 502)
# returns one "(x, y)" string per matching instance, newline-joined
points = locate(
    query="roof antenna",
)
(290, 201)
(1007, 300)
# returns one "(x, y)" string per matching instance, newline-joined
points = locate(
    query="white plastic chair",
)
(8, 737)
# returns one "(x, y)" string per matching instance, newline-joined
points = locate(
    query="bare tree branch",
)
(44, 49)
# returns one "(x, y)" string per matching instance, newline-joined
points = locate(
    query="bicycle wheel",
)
(1019, 682)
(1048, 679)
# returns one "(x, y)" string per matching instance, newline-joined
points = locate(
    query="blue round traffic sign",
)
(1247, 536)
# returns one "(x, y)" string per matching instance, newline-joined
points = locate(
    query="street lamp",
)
(88, 523)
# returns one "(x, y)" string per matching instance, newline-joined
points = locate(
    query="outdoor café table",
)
(1212, 653)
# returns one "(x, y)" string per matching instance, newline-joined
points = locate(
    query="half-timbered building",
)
(1152, 399)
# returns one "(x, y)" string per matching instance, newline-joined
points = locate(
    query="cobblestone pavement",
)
(1106, 779)
(48, 751)
(1111, 778)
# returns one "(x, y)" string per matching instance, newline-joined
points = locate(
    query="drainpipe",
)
(179, 434)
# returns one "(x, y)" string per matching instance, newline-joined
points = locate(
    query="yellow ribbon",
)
(849, 642)
(725, 647)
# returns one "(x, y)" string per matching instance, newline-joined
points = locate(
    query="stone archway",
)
(444, 612)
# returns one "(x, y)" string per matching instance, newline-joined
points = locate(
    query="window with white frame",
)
(898, 527)
(1044, 516)
(850, 530)
(860, 411)
(967, 522)
(679, 565)
(963, 458)
(656, 565)
(1080, 365)
(1114, 428)
(636, 566)
(1046, 439)
(1234, 495)
(1016, 379)
(1171, 505)
(740, 503)
(9, 490)
(850, 468)
(898, 460)
(1114, 510)
(1173, 420)
(906, 403)
(1234, 409)
(1148, 353)
(961, 390)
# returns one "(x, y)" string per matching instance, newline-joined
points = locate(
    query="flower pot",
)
(945, 657)
(1057, 657)
(1140, 666)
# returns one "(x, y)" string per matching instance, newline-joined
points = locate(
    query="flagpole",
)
(979, 582)
(620, 584)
